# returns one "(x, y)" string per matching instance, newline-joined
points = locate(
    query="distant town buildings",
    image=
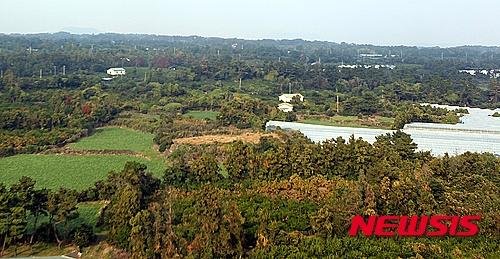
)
(471, 72)
(116, 71)
(286, 98)
(367, 66)
(493, 73)
(371, 55)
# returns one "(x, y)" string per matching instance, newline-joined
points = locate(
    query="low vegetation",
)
(417, 113)
(202, 115)
(376, 122)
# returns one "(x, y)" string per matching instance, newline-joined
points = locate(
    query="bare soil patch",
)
(249, 137)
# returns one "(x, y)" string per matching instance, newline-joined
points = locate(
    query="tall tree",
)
(62, 207)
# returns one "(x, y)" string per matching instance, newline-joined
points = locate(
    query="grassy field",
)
(76, 172)
(81, 171)
(116, 139)
(201, 115)
(376, 122)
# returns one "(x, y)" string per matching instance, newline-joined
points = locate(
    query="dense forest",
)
(284, 196)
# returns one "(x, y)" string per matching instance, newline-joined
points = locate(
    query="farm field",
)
(81, 171)
(76, 172)
(112, 138)
(201, 115)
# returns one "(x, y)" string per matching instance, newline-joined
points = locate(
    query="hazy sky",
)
(383, 22)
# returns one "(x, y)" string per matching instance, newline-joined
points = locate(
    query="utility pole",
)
(337, 93)
(64, 70)
(1, 73)
(41, 73)
(337, 103)
(145, 76)
(240, 83)
(442, 56)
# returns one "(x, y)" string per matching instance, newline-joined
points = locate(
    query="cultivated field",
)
(81, 171)
(116, 139)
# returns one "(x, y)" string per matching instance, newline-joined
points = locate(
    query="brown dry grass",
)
(248, 137)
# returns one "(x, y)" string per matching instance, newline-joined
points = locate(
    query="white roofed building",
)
(289, 97)
(116, 71)
(285, 107)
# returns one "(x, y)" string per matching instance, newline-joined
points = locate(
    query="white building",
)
(371, 55)
(285, 107)
(116, 71)
(289, 97)
(468, 71)
(493, 73)
(379, 66)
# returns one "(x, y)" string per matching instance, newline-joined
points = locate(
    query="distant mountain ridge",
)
(80, 30)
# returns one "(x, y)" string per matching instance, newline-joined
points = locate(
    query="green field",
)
(377, 122)
(116, 139)
(76, 172)
(201, 115)
(81, 171)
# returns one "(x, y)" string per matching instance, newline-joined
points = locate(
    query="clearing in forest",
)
(209, 139)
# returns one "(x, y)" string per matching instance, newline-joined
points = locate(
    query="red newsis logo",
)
(415, 226)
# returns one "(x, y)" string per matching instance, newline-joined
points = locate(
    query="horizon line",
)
(98, 32)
